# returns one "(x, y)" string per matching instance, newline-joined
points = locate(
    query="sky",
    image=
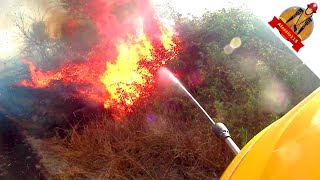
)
(9, 39)
(7, 43)
(265, 10)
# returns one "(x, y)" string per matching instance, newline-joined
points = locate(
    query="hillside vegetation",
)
(168, 137)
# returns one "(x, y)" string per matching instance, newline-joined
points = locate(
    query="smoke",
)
(52, 13)
(39, 4)
(54, 20)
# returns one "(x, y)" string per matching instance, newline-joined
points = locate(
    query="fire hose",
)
(219, 129)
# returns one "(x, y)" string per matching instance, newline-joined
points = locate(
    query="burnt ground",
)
(28, 117)
(17, 161)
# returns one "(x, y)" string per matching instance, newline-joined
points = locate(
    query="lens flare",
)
(228, 49)
(235, 43)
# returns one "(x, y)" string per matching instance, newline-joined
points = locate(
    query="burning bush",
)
(120, 69)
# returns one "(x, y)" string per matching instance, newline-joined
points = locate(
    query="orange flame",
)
(126, 79)
(122, 83)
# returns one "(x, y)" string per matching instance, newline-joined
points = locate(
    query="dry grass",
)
(138, 149)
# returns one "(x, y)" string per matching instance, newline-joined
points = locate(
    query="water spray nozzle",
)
(221, 131)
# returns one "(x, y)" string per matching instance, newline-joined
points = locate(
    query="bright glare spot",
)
(235, 42)
(316, 119)
(8, 47)
(275, 96)
(289, 152)
(228, 49)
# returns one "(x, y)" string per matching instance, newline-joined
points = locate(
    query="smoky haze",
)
(48, 41)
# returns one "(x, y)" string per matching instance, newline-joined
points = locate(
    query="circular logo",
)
(299, 20)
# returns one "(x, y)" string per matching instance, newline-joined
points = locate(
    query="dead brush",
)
(136, 149)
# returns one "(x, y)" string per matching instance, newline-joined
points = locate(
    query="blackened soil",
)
(17, 161)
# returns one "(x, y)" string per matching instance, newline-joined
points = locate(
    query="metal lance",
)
(219, 129)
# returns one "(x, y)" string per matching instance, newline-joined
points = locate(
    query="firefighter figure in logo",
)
(300, 20)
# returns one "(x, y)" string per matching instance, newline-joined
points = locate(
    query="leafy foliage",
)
(234, 84)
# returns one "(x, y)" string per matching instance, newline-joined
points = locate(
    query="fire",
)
(117, 83)
(39, 80)
(123, 79)
(167, 32)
